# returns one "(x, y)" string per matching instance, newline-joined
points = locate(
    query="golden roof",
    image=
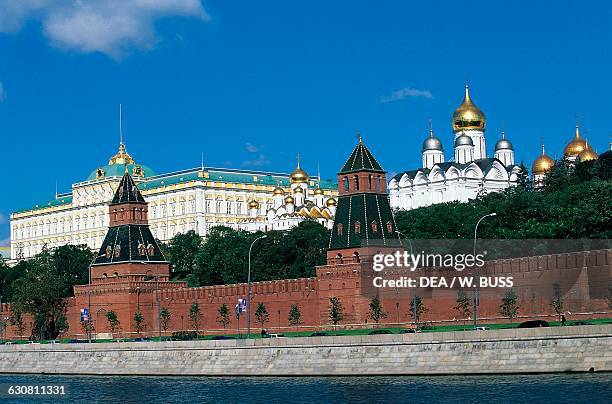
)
(298, 175)
(318, 191)
(542, 164)
(587, 154)
(331, 202)
(298, 190)
(278, 191)
(253, 205)
(576, 146)
(289, 199)
(122, 157)
(468, 115)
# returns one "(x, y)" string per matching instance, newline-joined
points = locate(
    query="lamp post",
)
(249, 287)
(414, 308)
(89, 301)
(475, 297)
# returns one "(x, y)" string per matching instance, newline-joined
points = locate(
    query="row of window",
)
(374, 183)
(373, 225)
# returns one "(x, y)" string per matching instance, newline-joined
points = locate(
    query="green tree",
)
(336, 310)
(195, 316)
(464, 306)
(224, 316)
(522, 181)
(557, 301)
(165, 317)
(261, 314)
(41, 293)
(16, 320)
(181, 251)
(138, 322)
(72, 263)
(509, 307)
(417, 303)
(295, 315)
(376, 310)
(113, 322)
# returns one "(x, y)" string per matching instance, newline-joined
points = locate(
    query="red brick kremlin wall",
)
(583, 277)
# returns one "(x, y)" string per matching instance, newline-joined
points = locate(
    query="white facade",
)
(469, 174)
(195, 199)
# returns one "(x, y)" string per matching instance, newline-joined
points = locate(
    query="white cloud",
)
(2, 94)
(5, 242)
(251, 148)
(261, 160)
(111, 27)
(406, 93)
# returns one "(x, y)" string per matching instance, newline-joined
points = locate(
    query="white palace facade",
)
(193, 199)
(468, 174)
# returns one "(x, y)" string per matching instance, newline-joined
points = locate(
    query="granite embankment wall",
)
(558, 349)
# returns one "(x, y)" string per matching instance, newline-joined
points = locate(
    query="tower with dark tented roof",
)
(363, 214)
(129, 248)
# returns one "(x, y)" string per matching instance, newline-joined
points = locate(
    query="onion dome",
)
(298, 190)
(318, 191)
(576, 146)
(298, 176)
(432, 143)
(587, 154)
(289, 200)
(253, 205)
(122, 157)
(503, 143)
(468, 116)
(542, 164)
(463, 140)
(331, 202)
(278, 191)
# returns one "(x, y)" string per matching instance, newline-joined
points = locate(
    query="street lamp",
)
(249, 287)
(475, 297)
(89, 301)
(414, 308)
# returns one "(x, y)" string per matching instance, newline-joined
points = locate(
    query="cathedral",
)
(288, 209)
(469, 174)
(576, 151)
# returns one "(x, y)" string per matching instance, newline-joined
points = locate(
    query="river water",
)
(556, 388)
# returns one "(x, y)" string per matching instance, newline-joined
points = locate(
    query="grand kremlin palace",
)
(193, 199)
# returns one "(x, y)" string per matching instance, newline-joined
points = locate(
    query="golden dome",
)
(298, 190)
(468, 116)
(278, 191)
(290, 200)
(331, 202)
(122, 157)
(298, 175)
(253, 205)
(542, 164)
(318, 191)
(587, 154)
(576, 146)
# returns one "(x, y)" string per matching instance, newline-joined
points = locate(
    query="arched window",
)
(150, 249)
(389, 227)
(375, 226)
(356, 181)
(117, 250)
(379, 183)
(339, 227)
(370, 180)
(141, 249)
(356, 256)
(346, 184)
(357, 227)
(108, 251)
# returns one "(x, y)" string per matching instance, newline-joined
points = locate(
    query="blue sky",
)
(251, 84)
